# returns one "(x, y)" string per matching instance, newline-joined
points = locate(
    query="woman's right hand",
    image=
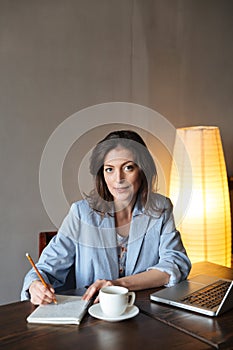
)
(95, 288)
(40, 294)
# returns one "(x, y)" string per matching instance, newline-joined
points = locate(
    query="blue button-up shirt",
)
(87, 241)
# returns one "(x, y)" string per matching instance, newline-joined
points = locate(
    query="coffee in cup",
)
(114, 300)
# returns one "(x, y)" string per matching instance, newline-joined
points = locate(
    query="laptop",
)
(208, 295)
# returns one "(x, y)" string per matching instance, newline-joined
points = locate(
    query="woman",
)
(121, 234)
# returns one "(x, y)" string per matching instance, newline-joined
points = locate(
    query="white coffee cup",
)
(114, 300)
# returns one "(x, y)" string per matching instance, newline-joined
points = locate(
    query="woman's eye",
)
(108, 170)
(129, 167)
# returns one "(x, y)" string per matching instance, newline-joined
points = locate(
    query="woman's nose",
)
(119, 176)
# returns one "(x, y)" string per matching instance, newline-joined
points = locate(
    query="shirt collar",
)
(138, 208)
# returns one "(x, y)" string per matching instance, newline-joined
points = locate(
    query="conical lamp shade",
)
(200, 194)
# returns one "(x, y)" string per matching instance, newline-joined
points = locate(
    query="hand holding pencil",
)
(41, 292)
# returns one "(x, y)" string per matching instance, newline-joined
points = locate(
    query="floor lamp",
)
(200, 194)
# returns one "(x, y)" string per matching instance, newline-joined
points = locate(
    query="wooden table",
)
(148, 330)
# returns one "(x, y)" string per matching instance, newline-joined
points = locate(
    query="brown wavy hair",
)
(100, 198)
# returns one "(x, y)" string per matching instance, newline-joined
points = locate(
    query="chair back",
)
(44, 239)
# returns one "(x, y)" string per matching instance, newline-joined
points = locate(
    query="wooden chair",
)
(44, 238)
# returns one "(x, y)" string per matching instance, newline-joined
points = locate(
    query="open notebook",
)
(68, 310)
(204, 294)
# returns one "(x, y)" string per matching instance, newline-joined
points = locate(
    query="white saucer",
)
(95, 311)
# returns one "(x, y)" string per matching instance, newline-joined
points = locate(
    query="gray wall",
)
(59, 56)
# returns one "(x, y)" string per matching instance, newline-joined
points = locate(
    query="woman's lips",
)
(121, 189)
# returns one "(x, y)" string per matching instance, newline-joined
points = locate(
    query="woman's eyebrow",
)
(128, 161)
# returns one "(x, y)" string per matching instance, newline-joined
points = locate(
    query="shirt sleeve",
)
(57, 257)
(173, 257)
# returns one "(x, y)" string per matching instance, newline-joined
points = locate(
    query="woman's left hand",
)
(94, 288)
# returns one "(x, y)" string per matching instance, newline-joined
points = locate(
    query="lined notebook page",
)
(68, 310)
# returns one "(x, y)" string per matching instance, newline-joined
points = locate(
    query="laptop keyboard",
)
(209, 296)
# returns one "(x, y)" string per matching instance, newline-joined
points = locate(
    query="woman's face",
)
(121, 174)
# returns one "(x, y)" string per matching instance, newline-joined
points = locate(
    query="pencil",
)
(38, 274)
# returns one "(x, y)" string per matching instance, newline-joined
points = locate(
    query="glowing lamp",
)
(200, 194)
